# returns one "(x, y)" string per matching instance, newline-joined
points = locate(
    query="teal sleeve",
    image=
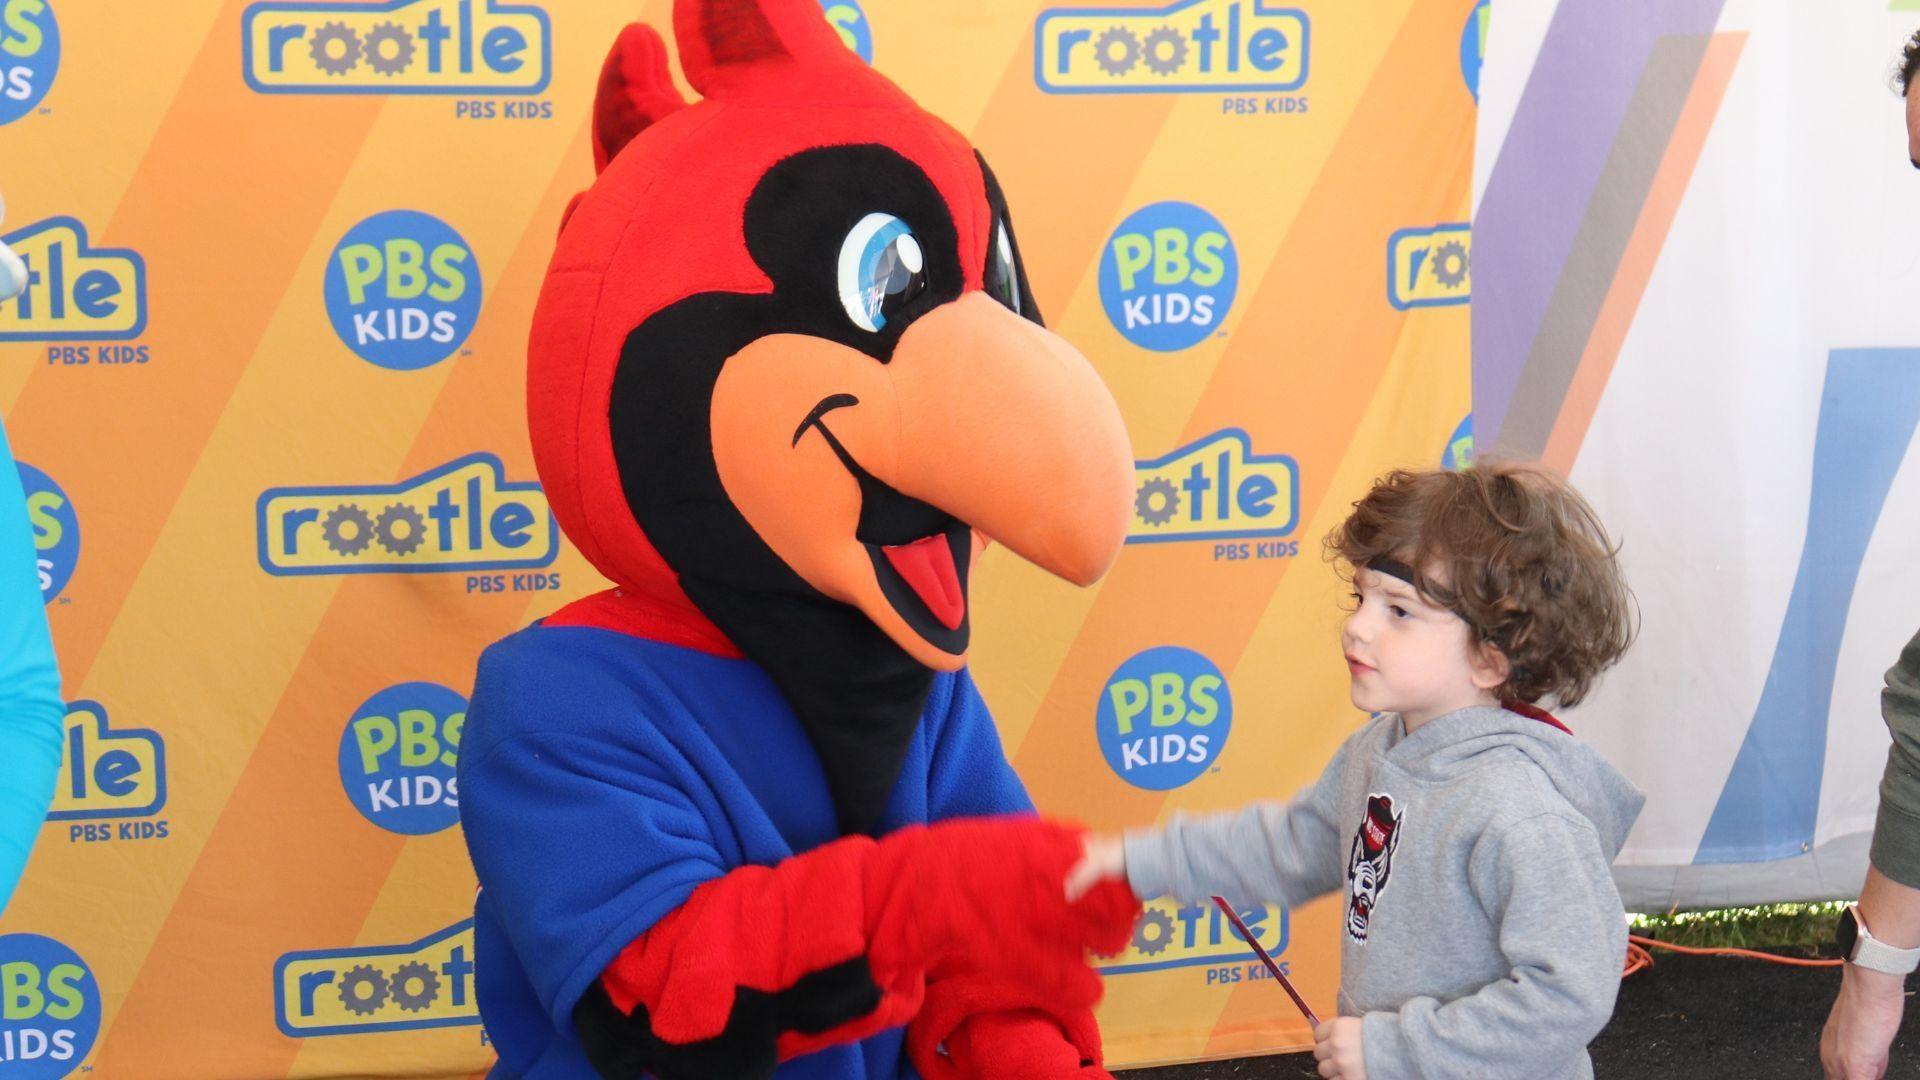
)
(1896, 837)
(31, 709)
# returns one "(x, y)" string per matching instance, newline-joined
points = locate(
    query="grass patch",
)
(1804, 928)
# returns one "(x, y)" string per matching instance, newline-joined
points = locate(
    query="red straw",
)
(1267, 960)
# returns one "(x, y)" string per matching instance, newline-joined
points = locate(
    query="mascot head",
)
(786, 377)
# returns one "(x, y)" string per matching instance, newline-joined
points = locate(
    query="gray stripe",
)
(1618, 198)
(1582, 78)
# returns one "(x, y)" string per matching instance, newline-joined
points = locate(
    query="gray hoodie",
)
(1482, 935)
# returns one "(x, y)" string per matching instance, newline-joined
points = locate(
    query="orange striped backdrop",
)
(234, 912)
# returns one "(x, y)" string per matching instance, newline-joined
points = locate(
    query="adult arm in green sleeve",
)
(1896, 836)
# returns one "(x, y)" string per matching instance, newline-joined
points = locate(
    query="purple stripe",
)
(1545, 176)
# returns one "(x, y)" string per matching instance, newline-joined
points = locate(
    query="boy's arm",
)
(1266, 852)
(1547, 885)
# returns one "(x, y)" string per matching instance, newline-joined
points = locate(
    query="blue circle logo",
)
(397, 758)
(55, 528)
(29, 56)
(1168, 276)
(49, 1008)
(847, 18)
(403, 290)
(1473, 47)
(1163, 718)
(1459, 451)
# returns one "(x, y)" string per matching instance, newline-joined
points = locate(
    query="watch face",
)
(1847, 934)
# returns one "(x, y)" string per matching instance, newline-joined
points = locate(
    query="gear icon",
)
(377, 54)
(365, 1001)
(321, 48)
(1450, 264)
(1153, 944)
(1122, 39)
(400, 528)
(347, 529)
(1152, 512)
(405, 977)
(1165, 50)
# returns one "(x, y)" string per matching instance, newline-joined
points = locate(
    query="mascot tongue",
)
(927, 565)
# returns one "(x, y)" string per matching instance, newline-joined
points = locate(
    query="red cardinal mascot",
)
(745, 815)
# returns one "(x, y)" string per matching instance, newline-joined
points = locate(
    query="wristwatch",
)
(1862, 949)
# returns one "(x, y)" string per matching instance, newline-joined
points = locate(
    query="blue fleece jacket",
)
(603, 777)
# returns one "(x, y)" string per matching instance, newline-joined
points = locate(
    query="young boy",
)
(1482, 935)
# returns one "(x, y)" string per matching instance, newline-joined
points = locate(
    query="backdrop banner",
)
(266, 388)
(1696, 295)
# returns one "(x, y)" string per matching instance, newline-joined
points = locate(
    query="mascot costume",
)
(745, 815)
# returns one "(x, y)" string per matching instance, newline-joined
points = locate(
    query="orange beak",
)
(869, 479)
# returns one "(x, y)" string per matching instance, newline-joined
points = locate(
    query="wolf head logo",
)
(1370, 862)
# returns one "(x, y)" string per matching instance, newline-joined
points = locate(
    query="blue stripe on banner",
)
(1868, 411)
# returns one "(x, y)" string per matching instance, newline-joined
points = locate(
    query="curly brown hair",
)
(1909, 64)
(1517, 554)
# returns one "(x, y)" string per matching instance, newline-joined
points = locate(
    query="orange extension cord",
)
(1639, 958)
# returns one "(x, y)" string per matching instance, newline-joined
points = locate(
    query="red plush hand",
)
(990, 894)
(837, 943)
(977, 1023)
(1023, 1045)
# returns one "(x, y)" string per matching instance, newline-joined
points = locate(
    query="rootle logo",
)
(1171, 935)
(74, 291)
(1215, 488)
(1201, 46)
(397, 47)
(109, 772)
(461, 516)
(1430, 267)
(425, 984)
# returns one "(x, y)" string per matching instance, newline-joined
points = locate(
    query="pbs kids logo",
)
(49, 1008)
(403, 290)
(1168, 276)
(850, 21)
(1163, 718)
(29, 56)
(56, 531)
(1473, 47)
(1459, 450)
(397, 758)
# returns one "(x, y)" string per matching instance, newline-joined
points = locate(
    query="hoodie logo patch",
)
(1371, 862)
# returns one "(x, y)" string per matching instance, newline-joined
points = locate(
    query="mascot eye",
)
(1002, 281)
(882, 270)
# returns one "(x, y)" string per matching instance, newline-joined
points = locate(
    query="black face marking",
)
(856, 691)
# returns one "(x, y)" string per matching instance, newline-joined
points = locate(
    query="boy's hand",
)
(1337, 1047)
(1103, 859)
